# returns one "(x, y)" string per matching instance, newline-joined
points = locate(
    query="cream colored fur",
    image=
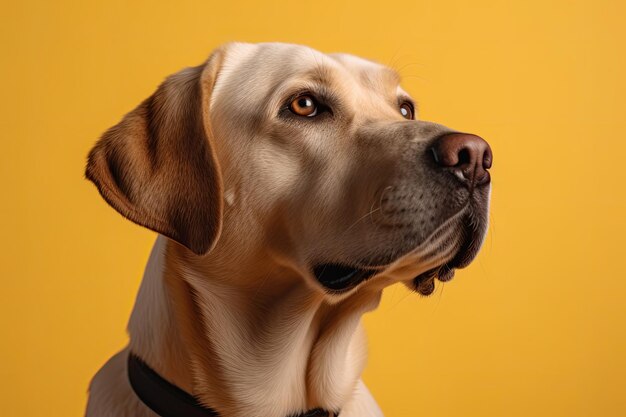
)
(246, 328)
(270, 378)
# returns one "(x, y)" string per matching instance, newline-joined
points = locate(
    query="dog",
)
(288, 187)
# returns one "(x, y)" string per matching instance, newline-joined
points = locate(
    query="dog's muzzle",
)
(468, 158)
(462, 161)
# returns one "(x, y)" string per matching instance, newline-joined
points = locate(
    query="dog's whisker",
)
(409, 65)
(361, 219)
(404, 297)
(396, 55)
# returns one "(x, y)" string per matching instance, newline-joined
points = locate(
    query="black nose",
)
(469, 156)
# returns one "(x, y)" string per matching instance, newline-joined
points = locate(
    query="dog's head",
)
(315, 158)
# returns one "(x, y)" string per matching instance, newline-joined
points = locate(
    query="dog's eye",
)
(406, 110)
(304, 106)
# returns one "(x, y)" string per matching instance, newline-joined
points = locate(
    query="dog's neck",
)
(266, 345)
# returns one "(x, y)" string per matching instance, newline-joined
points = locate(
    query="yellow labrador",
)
(289, 188)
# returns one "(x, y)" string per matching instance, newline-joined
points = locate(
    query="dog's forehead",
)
(368, 72)
(257, 69)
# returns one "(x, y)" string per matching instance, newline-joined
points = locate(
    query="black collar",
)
(167, 400)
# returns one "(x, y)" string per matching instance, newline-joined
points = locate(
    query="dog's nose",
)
(469, 156)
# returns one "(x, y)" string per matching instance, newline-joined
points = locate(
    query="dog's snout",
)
(469, 156)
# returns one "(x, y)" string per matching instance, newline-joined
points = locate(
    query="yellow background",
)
(535, 327)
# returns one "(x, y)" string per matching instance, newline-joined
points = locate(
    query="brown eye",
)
(406, 110)
(304, 106)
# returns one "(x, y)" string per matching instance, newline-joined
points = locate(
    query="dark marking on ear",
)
(157, 166)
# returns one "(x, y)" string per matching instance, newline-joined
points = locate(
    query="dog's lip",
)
(424, 283)
(339, 277)
(472, 240)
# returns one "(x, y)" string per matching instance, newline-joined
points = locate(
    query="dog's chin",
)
(471, 236)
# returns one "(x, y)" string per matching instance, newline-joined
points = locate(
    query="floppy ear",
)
(157, 166)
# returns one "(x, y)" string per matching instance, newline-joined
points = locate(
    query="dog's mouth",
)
(472, 234)
(338, 278)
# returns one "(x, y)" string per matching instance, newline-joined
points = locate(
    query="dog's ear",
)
(157, 167)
